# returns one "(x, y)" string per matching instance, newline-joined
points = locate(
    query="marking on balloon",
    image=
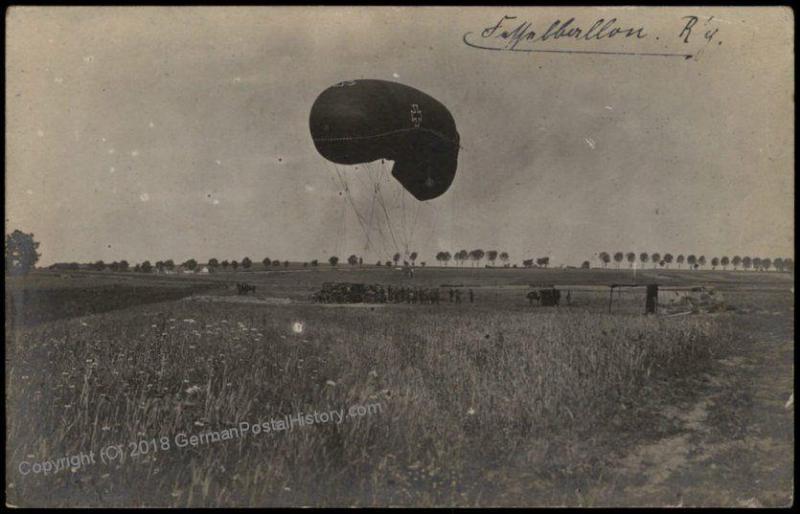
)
(416, 115)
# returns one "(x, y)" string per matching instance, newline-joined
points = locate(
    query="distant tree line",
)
(25, 256)
(22, 256)
(694, 262)
(541, 262)
(476, 256)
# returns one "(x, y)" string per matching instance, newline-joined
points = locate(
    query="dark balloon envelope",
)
(366, 120)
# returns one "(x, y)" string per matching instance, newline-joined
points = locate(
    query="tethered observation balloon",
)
(362, 121)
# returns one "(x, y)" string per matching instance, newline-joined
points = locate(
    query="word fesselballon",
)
(361, 121)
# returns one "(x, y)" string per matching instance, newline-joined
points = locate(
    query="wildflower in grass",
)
(194, 389)
(471, 411)
(297, 327)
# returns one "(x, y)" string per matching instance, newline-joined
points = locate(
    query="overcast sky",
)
(156, 133)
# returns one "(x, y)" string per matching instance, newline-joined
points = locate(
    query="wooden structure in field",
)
(651, 298)
(657, 298)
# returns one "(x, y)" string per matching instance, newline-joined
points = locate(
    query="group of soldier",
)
(425, 295)
(243, 288)
(547, 297)
(376, 293)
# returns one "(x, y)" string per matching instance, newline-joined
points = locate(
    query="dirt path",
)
(732, 444)
(722, 437)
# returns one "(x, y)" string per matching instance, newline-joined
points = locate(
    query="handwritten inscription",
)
(514, 35)
(601, 29)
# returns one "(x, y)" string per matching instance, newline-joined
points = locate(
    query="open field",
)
(491, 403)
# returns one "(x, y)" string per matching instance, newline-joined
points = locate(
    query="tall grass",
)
(460, 390)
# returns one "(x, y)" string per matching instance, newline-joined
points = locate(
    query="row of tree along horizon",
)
(22, 255)
(460, 257)
(695, 262)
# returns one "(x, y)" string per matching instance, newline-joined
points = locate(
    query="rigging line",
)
(393, 245)
(378, 195)
(367, 187)
(343, 229)
(413, 227)
(368, 222)
(360, 178)
(366, 225)
(370, 219)
(370, 171)
(374, 175)
(359, 216)
(342, 216)
(435, 219)
(414, 223)
(404, 226)
(395, 202)
(371, 213)
(352, 203)
(388, 222)
(341, 184)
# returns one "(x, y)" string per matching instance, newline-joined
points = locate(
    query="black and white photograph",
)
(399, 256)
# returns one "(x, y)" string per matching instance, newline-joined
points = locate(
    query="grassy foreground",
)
(459, 391)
